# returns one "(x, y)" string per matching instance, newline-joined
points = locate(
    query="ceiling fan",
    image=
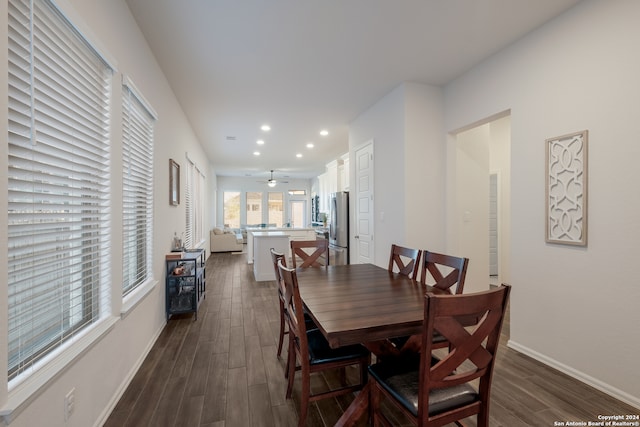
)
(271, 182)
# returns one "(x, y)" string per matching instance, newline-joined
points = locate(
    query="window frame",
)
(195, 209)
(138, 119)
(32, 377)
(233, 194)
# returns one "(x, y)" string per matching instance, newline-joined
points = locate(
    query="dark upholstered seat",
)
(320, 351)
(402, 382)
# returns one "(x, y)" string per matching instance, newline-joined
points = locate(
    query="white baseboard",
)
(578, 375)
(102, 419)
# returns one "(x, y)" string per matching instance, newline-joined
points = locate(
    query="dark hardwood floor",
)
(222, 370)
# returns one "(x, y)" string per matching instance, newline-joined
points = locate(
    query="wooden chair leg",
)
(291, 367)
(304, 398)
(374, 405)
(281, 339)
(483, 416)
(286, 368)
(343, 375)
(364, 373)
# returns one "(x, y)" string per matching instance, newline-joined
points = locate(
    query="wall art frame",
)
(174, 183)
(566, 189)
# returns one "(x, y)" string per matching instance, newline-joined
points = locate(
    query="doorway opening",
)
(482, 202)
(298, 213)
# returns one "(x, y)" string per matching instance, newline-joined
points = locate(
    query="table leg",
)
(357, 408)
(360, 405)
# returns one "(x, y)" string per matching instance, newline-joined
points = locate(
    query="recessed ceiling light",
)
(298, 155)
(324, 132)
(256, 153)
(265, 128)
(309, 145)
(260, 142)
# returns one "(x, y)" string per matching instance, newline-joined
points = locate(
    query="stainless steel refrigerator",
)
(339, 229)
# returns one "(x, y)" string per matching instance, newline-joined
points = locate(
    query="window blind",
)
(188, 206)
(194, 206)
(58, 185)
(137, 188)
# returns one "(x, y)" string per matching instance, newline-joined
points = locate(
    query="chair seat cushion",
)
(401, 380)
(321, 352)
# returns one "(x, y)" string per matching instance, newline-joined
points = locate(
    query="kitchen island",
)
(308, 233)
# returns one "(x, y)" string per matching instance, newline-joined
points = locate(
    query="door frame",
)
(353, 241)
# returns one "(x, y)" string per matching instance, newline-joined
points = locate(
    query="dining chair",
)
(275, 257)
(312, 351)
(435, 392)
(301, 249)
(443, 271)
(309, 323)
(406, 260)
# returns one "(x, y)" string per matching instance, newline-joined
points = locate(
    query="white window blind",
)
(137, 125)
(58, 187)
(194, 205)
(188, 205)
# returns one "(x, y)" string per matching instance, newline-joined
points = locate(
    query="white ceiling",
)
(305, 65)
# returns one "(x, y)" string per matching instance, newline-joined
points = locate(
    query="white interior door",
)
(363, 251)
(298, 209)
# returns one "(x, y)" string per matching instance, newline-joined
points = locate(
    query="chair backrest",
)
(293, 306)
(472, 347)
(309, 252)
(443, 271)
(406, 259)
(275, 257)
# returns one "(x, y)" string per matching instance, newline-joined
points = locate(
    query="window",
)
(254, 208)
(276, 209)
(137, 188)
(58, 181)
(231, 208)
(194, 206)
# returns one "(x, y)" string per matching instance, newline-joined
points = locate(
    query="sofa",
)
(225, 240)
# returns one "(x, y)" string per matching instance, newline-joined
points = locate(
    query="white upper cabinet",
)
(335, 178)
(343, 175)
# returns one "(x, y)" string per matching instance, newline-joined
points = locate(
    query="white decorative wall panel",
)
(566, 189)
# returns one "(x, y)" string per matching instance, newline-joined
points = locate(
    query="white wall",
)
(384, 124)
(472, 206)
(574, 308)
(406, 127)
(101, 373)
(500, 163)
(424, 168)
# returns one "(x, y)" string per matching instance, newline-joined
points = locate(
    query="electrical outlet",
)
(69, 403)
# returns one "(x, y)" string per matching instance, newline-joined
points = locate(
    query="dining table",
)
(364, 304)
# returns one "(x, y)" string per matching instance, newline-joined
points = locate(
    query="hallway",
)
(222, 370)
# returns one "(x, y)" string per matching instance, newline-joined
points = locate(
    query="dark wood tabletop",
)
(362, 303)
